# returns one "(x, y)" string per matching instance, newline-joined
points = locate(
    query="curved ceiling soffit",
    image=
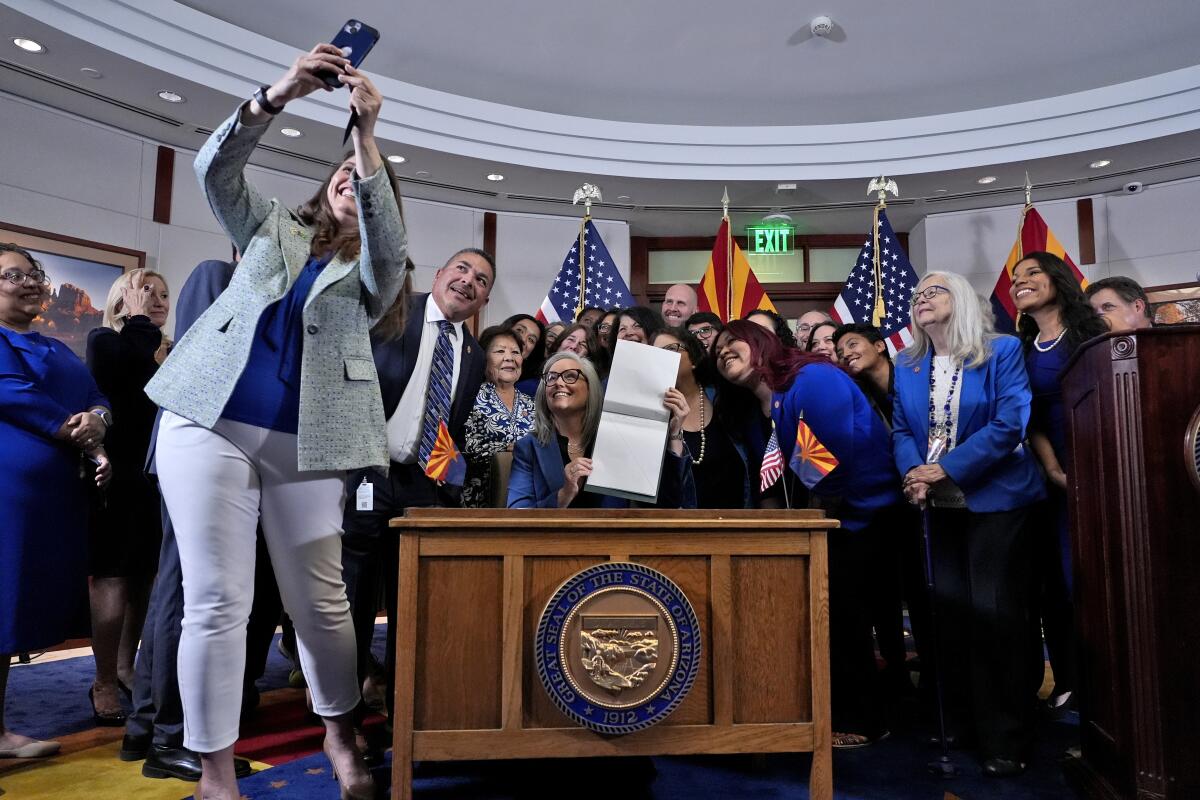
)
(202, 49)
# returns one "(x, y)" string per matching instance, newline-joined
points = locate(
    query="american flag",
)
(603, 286)
(856, 303)
(772, 463)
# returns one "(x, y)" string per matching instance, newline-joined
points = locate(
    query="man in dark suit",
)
(154, 731)
(412, 364)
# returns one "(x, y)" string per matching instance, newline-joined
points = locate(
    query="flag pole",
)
(1024, 211)
(728, 256)
(587, 193)
(880, 187)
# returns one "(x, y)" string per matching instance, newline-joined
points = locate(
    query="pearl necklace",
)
(1052, 345)
(698, 460)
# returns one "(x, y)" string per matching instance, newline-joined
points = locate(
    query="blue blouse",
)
(268, 392)
(1047, 414)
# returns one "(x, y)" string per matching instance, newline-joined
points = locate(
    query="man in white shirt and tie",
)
(430, 370)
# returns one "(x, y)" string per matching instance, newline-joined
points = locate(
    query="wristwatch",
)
(104, 415)
(260, 97)
(676, 437)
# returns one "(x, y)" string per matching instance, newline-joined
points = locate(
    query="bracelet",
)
(676, 437)
(260, 97)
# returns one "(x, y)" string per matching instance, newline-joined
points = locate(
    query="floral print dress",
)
(490, 428)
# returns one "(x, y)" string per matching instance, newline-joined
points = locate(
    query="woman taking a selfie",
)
(267, 401)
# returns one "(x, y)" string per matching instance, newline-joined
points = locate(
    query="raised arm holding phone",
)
(270, 397)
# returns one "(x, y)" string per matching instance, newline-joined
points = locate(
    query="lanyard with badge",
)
(940, 432)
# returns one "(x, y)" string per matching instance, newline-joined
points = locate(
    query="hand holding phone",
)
(355, 40)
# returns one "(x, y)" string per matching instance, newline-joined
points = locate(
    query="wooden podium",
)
(473, 584)
(1135, 524)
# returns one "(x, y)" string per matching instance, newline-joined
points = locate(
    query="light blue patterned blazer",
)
(342, 425)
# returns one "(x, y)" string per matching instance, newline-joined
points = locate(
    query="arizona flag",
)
(1032, 235)
(446, 464)
(729, 288)
(811, 460)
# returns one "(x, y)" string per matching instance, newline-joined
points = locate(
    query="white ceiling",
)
(476, 87)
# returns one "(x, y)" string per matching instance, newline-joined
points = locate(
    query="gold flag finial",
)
(881, 187)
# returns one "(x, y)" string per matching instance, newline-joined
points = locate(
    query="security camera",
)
(1133, 187)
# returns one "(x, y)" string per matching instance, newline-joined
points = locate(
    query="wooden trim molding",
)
(1087, 230)
(164, 176)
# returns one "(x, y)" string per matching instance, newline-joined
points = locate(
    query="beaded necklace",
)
(698, 460)
(939, 432)
(1052, 344)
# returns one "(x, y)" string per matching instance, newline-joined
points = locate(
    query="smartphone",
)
(358, 38)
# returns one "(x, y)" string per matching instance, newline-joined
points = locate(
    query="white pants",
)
(217, 485)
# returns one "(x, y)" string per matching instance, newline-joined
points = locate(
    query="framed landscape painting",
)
(80, 273)
(1177, 304)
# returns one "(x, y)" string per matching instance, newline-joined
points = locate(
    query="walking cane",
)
(943, 766)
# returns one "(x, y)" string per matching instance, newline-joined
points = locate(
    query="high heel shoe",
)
(363, 790)
(109, 719)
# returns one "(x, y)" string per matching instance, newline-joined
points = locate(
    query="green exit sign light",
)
(770, 239)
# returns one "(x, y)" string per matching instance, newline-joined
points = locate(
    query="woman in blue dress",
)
(501, 416)
(50, 413)
(1055, 319)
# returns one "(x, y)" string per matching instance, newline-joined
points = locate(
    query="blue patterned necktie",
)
(437, 396)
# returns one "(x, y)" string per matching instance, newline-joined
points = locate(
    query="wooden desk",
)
(473, 584)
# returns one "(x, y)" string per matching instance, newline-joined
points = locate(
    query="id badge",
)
(937, 449)
(364, 498)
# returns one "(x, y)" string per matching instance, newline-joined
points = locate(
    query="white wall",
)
(1151, 237)
(530, 249)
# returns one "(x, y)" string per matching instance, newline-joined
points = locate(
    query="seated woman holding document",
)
(551, 465)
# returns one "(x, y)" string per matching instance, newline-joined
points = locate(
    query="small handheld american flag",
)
(772, 463)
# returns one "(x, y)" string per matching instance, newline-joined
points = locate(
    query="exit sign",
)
(770, 239)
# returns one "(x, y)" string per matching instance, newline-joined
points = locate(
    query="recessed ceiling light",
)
(1104, 162)
(29, 45)
(940, 191)
(291, 133)
(986, 179)
(170, 97)
(423, 173)
(495, 176)
(91, 72)
(397, 159)
(623, 197)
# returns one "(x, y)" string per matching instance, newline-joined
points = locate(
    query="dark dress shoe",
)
(1002, 768)
(184, 764)
(134, 748)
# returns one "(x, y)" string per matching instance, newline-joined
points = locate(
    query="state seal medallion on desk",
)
(618, 647)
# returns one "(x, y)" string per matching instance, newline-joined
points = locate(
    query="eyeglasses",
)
(17, 277)
(929, 292)
(675, 347)
(703, 332)
(605, 327)
(567, 376)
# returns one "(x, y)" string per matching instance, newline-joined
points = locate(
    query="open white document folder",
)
(627, 459)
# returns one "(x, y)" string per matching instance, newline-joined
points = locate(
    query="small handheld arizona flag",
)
(811, 460)
(446, 464)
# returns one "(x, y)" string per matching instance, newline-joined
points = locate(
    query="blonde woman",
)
(126, 530)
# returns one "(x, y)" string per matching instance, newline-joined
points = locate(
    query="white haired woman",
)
(126, 531)
(960, 414)
(551, 464)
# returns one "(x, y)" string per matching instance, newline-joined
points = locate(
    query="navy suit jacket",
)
(537, 475)
(989, 461)
(394, 361)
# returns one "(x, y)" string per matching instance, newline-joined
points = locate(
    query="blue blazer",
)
(842, 419)
(537, 475)
(989, 461)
